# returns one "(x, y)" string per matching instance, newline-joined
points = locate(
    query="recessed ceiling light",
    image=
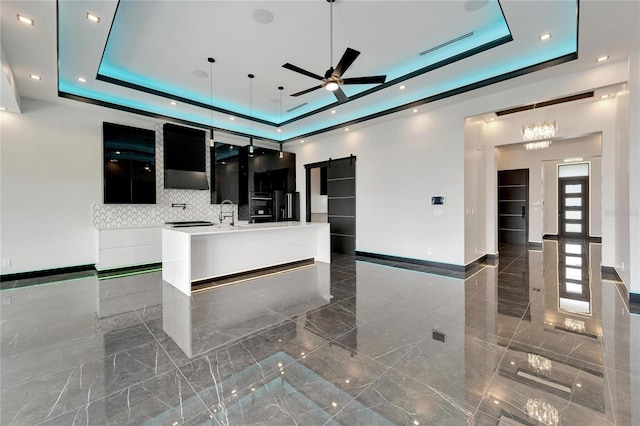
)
(492, 119)
(3, 109)
(279, 130)
(415, 110)
(35, 77)
(93, 18)
(25, 20)
(602, 58)
(545, 36)
(82, 79)
(604, 97)
(333, 111)
(346, 129)
(402, 87)
(232, 118)
(263, 16)
(173, 103)
(301, 140)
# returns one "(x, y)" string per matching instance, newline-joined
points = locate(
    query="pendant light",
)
(280, 154)
(211, 61)
(251, 76)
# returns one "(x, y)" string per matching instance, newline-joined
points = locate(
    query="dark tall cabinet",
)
(239, 176)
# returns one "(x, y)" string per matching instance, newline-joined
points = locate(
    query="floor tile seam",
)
(72, 368)
(110, 394)
(177, 368)
(386, 369)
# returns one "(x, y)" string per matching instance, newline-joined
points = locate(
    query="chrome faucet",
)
(223, 216)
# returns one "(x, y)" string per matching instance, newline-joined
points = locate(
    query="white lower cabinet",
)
(120, 248)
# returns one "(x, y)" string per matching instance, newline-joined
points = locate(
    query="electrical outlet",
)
(429, 250)
(436, 335)
(622, 266)
(7, 262)
(6, 300)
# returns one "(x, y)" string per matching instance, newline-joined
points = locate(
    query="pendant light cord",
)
(331, 33)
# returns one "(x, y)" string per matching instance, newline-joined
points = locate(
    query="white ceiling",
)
(164, 45)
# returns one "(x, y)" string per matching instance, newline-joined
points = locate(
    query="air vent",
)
(447, 43)
(296, 107)
(539, 105)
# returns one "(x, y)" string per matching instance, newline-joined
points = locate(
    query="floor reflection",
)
(538, 339)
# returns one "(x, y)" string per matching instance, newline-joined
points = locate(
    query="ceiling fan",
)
(332, 79)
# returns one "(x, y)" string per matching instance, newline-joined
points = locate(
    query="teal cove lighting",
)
(118, 84)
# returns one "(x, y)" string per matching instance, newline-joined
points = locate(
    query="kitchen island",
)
(196, 254)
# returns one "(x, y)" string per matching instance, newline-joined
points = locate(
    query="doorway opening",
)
(338, 180)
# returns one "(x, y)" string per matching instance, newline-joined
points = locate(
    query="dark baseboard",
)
(634, 303)
(534, 246)
(447, 266)
(46, 272)
(208, 283)
(129, 270)
(609, 273)
(482, 260)
(556, 237)
(493, 259)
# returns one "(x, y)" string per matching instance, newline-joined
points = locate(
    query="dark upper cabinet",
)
(129, 157)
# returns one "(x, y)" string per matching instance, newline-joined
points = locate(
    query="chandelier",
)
(539, 363)
(537, 145)
(536, 131)
(542, 411)
(577, 326)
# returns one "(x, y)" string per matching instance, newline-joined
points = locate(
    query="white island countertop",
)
(200, 253)
(247, 227)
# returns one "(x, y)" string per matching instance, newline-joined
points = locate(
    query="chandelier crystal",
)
(536, 131)
(542, 411)
(539, 363)
(537, 145)
(577, 326)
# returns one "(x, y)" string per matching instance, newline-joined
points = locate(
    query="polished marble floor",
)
(538, 339)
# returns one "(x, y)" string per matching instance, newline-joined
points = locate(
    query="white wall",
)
(400, 165)
(51, 163)
(475, 200)
(319, 203)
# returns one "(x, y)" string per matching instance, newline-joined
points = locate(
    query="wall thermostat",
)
(437, 201)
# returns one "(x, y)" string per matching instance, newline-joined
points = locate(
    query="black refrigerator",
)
(286, 206)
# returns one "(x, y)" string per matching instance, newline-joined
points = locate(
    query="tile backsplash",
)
(198, 202)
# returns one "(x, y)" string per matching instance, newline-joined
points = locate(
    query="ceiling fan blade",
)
(374, 79)
(347, 59)
(307, 91)
(301, 71)
(340, 96)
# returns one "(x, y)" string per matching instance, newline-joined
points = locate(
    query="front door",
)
(573, 202)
